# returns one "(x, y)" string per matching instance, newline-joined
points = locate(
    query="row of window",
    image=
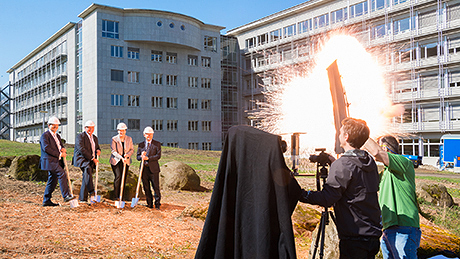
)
(157, 102)
(160, 125)
(110, 29)
(320, 21)
(157, 79)
(192, 145)
(158, 56)
(44, 59)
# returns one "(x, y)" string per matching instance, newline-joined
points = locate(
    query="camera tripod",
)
(322, 173)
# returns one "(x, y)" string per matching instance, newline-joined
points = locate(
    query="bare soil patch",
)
(28, 230)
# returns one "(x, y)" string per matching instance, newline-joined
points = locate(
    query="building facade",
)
(142, 67)
(418, 42)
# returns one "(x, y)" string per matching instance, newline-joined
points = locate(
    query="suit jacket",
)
(49, 158)
(154, 154)
(82, 155)
(117, 149)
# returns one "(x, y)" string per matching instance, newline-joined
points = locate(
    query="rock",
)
(435, 194)
(105, 184)
(331, 242)
(196, 211)
(5, 161)
(27, 168)
(176, 175)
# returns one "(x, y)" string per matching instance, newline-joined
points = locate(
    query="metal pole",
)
(44, 112)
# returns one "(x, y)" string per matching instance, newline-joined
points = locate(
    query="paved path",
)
(436, 174)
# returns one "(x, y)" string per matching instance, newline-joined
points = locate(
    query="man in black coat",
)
(351, 187)
(254, 195)
(149, 151)
(85, 153)
(52, 150)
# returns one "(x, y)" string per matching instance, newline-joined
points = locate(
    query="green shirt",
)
(397, 198)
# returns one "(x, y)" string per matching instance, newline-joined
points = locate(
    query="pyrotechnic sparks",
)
(305, 105)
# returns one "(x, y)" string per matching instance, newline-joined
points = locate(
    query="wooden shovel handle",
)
(97, 176)
(122, 181)
(139, 179)
(68, 175)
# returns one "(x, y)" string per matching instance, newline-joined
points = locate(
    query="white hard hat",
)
(54, 120)
(121, 126)
(148, 130)
(89, 123)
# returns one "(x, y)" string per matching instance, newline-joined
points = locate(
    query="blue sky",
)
(25, 24)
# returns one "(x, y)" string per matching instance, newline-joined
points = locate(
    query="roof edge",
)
(93, 7)
(56, 35)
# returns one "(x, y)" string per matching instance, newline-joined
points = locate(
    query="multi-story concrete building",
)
(421, 43)
(142, 67)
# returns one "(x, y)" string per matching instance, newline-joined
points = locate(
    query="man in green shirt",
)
(397, 199)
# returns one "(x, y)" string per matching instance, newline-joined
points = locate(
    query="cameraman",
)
(351, 187)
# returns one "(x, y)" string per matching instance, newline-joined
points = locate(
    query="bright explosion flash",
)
(305, 104)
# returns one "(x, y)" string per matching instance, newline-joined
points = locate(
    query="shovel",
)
(121, 204)
(74, 202)
(134, 201)
(96, 198)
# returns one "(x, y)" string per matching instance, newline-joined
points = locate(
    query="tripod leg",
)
(318, 235)
(324, 217)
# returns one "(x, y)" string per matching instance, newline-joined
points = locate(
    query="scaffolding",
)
(5, 113)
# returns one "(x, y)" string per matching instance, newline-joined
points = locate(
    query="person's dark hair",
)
(357, 131)
(390, 142)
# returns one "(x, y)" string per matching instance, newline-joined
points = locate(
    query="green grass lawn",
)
(198, 160)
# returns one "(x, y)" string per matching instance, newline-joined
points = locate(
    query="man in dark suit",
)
(149, 151)
(85, 153)
(52, 150)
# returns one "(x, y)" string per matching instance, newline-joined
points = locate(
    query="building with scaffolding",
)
(5, 126)
(420, 40)
(142, 67)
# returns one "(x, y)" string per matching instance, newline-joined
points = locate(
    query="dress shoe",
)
(50, 204)
(149, 206)
(157, 207)
(69, 198)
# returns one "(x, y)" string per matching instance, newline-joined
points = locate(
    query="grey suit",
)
(151, 172)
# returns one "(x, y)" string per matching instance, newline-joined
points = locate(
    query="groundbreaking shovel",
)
(74, 202)
(96, 198)
(121, 204)
(134, 201)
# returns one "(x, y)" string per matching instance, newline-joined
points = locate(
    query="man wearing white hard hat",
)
(52, 150)
(149, 151)
(122, 150)
(85, 156)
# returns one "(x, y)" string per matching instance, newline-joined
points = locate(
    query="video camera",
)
(323, 159)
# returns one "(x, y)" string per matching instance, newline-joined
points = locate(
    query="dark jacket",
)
(351, 187)
(252, 201)
(154, 154)
(49, 157)
(83, 155)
